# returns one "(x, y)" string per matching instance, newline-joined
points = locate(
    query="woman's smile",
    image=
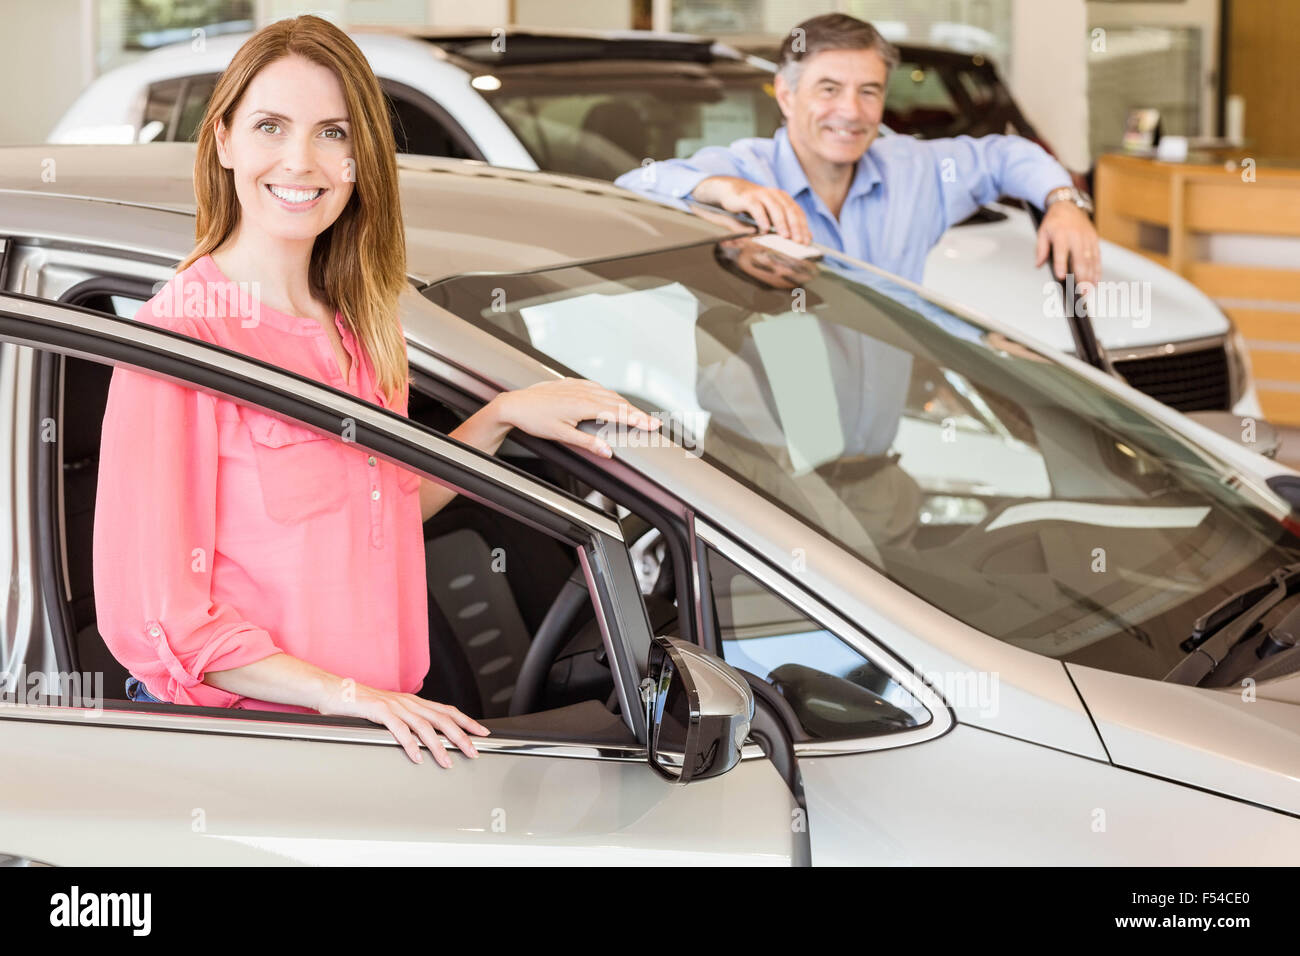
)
(295, 200)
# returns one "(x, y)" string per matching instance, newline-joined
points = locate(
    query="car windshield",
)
(998, 485)
(601, 124)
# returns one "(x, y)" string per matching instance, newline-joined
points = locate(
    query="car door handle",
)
(10, 859)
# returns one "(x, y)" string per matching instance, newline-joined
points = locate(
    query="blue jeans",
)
(135, 690)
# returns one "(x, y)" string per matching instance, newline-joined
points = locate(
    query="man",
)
(826, 176)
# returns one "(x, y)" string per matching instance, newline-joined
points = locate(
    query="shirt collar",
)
(791, 177)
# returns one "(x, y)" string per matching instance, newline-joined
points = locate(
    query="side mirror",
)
(698, 711)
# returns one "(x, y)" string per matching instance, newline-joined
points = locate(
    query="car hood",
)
(988, 267)
(1242, 743)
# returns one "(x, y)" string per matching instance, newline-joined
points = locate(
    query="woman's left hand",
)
(554, 409)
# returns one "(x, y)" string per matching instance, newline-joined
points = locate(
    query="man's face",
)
(834, 113)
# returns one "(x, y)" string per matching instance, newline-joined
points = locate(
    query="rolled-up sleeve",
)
(154, 542)
(974, 171)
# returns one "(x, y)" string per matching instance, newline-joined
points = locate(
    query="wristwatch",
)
(1076, 196)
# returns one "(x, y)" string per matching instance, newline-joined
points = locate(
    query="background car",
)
(936, 92)
(986, 649)
(598, 104)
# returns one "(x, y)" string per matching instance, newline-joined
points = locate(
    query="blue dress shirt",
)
(905, 193)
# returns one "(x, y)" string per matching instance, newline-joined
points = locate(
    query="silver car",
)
(977, 602)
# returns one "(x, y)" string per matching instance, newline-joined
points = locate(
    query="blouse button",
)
(374, 495)
(372, 461)
(154, 632)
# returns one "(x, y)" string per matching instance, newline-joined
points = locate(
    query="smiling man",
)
(827, 176)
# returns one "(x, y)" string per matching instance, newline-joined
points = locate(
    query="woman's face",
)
(290, 131)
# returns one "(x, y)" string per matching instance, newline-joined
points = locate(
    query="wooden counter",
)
(1141, 201)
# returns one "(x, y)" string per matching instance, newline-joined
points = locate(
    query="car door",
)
(91, 781)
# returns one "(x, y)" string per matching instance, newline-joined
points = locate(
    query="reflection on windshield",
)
(994, 483)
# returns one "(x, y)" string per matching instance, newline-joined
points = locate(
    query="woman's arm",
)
(155, 539)
(484, 430)
(548, 410)
(290, 680)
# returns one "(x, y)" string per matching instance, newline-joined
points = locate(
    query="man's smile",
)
(843, 132)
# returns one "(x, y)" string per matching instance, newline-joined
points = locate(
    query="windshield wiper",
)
(1219, 630)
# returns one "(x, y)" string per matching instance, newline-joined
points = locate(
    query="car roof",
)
(517, 46)
(461, 216)
(184, 59)
(760, 44)
(469, 47)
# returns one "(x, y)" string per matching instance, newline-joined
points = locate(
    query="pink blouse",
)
(224, 534)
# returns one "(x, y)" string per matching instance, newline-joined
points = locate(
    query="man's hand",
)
(768, 206)
(1067, 232)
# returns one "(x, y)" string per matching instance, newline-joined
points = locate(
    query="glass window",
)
(981, 475)
(835, 691)
(919, 103)
(159, 111)
(913, 86)
(1144, 66)
(417, 130)
(935, 93)
(128, 31)
(602, 126)
(979, 87)
(197, 93)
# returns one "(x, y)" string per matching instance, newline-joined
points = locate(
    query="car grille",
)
(1191, 381)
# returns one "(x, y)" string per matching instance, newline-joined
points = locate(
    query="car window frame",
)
(173, 126)
(664, 511)
(437, 112)
(707, 536)
(51, 327)
(173, 115)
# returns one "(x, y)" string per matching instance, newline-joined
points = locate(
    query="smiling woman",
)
(281, 120)
(247, 562)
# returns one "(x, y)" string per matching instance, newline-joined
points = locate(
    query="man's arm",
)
(736, 178)
(677, 178)
(974, 171)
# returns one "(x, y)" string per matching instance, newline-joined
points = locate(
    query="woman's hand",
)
(553, 409)
(410, 719)
(547, 410)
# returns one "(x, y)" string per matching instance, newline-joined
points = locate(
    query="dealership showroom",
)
(727, 432)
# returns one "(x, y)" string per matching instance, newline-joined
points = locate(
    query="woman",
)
(242, 561)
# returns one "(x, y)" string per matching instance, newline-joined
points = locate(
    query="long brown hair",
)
(358, 264)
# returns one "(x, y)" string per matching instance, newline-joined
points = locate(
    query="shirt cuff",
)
(244, 644)
(1040, 182)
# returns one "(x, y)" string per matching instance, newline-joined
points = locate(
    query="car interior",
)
(512, 631)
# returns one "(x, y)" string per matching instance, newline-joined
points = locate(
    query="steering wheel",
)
(557, 628)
